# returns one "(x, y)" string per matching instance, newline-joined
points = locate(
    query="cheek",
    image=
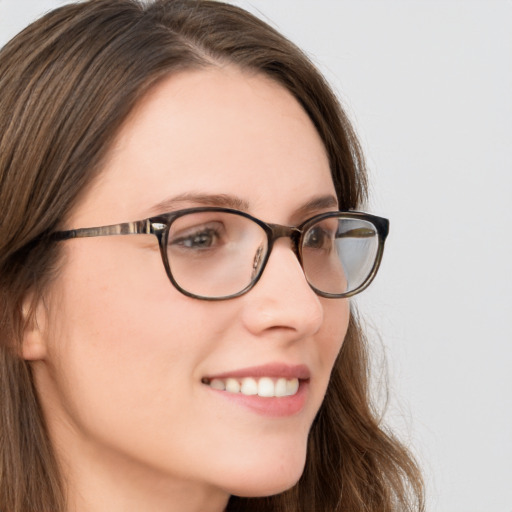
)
(121, 333)
(335, 326)
(108, 296)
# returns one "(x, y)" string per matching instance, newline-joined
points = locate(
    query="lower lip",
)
(276, 407)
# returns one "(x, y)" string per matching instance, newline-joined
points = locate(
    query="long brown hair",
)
(67, 83)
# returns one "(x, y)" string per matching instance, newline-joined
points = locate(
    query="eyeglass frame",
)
(160, 225)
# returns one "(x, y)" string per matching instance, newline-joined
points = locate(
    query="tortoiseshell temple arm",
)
(357, 233)
(145, 226)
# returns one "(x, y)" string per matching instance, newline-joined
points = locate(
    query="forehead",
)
(212, 131)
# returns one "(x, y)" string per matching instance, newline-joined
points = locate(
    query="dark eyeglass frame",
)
(160, 225)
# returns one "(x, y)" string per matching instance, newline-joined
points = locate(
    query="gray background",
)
(428, 85)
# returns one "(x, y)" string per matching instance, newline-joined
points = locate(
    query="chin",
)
(262, 489)
(268, 479)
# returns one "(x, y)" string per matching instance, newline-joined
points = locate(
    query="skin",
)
(118, 353)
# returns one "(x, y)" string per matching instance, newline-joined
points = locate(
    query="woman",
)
(211, 362)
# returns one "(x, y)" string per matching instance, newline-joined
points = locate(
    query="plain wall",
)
(428, 85)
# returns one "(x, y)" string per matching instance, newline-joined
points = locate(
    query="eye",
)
(318, 237)
(197, 238)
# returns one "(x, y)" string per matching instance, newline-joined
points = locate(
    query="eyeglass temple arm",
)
(126, 228)
(357, 233)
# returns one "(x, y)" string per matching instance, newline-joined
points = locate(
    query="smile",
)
(262, 386)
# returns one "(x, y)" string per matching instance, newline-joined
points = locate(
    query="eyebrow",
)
(316, 204)
(190, 199)
(220, 200)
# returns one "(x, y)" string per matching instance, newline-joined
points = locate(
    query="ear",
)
(34, 336)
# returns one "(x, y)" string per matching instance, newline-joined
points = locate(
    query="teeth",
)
(249, 387)
(292, 386)
(232, 385)
(218, 384)
(280, 389)
(264, 386)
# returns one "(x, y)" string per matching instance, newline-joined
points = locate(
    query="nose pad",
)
(258, 260)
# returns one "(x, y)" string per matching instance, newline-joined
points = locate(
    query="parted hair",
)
(68, 82)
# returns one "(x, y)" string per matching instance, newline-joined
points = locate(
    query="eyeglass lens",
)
(218, 254)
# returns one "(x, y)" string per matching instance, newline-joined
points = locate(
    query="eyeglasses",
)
(215, 253)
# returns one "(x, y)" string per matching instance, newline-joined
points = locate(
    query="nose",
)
(282, 300)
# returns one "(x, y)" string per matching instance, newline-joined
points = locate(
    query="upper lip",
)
(274, 370)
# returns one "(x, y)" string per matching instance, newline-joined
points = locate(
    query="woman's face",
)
(125, 355)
